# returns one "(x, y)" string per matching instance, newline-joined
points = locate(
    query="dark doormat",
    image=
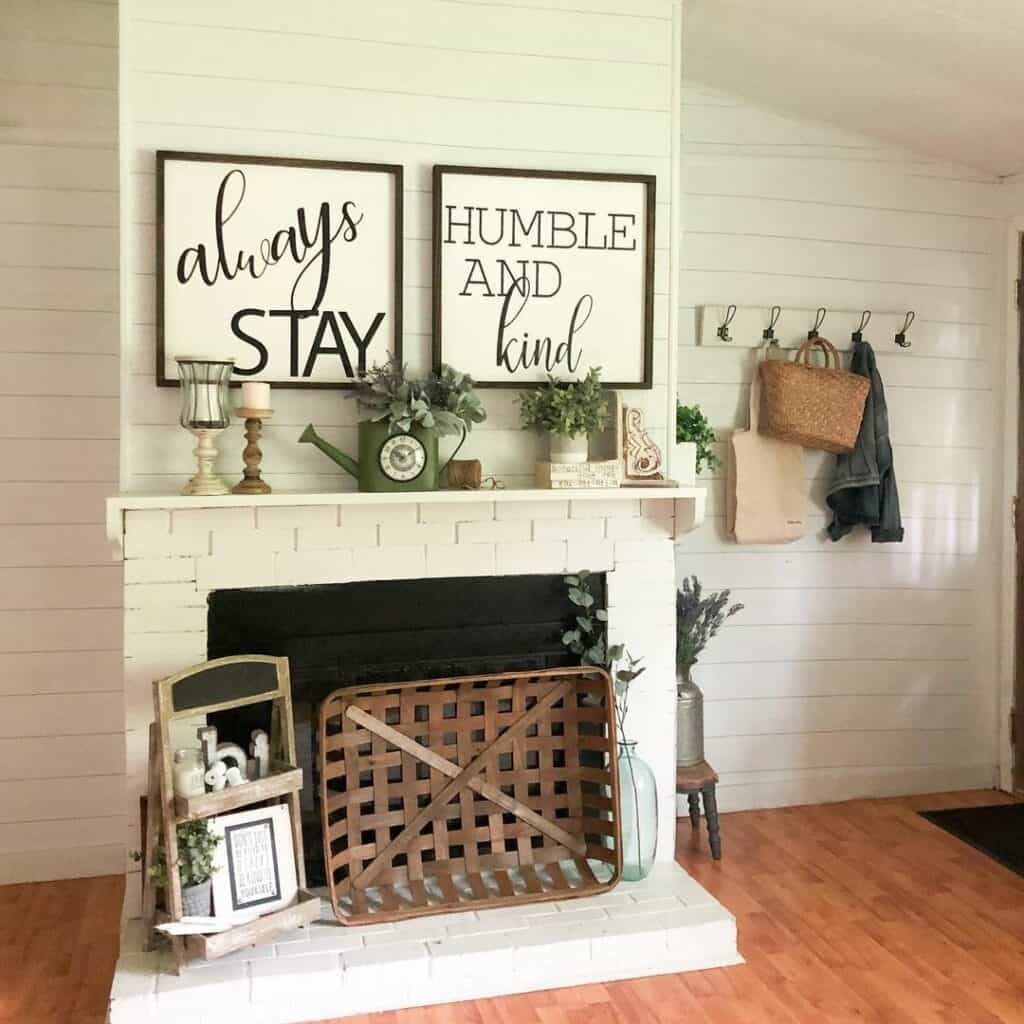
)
(996, 830)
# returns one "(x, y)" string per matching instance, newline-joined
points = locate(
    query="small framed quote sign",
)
(291, 267)
(544, 272)
(254, 865)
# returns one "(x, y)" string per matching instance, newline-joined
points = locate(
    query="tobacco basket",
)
(469, 793)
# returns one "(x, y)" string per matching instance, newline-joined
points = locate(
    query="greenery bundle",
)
(692, 425)
(698, 620)
(588, 640)
(569, 408)
(445, 403)
(196, 848)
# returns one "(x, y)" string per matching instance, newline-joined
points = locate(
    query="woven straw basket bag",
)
(817, 407)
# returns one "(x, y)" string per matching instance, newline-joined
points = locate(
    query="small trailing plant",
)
(588, 640)
(196, 848)
(569, 408)
(445, 403)
(698, 620)
(692, 425)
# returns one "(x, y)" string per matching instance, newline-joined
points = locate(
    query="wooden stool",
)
(695, 781)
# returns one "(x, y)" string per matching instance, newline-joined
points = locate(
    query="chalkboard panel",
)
(223, 683)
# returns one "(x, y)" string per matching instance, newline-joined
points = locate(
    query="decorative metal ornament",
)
(642, 455)
(205, 412)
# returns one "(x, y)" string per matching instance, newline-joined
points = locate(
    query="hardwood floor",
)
(860, 911)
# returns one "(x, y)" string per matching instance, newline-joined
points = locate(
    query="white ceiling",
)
(942, 77)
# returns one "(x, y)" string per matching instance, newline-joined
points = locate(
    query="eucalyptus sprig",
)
(588, 640)
(692, 425)
(197, 846)
(445, 403)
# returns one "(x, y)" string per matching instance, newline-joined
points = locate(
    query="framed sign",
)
(254, 866)
(291, 267)
(544, 272)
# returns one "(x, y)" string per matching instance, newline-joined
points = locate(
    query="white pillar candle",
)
(255, 395)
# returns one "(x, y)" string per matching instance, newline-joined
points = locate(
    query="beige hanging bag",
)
(766, 502)
(817, 407)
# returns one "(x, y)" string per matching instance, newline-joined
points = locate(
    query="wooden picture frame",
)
(252, 309)
(617, 210)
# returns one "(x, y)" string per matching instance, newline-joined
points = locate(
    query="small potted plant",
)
(698, 620)
(694, 438)
(196, 848)
(569, 412)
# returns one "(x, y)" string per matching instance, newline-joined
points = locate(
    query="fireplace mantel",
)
(689, 502)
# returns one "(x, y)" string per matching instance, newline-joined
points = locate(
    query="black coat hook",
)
(723, 330)
(768, 334)
(818, 321)
(901, 334)
(858, 335)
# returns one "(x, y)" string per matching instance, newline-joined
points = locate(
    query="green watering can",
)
(404, 461)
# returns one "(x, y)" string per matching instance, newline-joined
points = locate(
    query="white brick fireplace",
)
(177, 550)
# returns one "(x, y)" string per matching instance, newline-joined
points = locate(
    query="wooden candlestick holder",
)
(252, 482)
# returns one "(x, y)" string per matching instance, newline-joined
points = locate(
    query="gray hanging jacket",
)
(863, 487)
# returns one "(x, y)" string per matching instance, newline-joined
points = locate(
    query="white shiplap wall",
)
(61, 700)
(856, 669)
(584, 85)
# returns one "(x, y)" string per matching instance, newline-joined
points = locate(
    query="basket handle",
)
(827, 348)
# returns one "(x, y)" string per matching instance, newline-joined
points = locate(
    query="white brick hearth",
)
(178, 550)
(664, 924)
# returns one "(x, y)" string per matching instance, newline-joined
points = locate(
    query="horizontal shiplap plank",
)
(808, 178)
(84, 291)
(814, 258)
(73, 629)
(364, 65)
(63, 374)
(807, 608)
(57, 331)
(53, 545)
(482, 28)
(788, 715)
(66, 113)
(741, 791)
(854, 677)
(852, 748)
(839, 642)
(64, 714)
(63, 757)
(58, 417)
(38, 62)
(43, 799)
(878, 228)
(80, 23)
(810, 569)
(63, 862)
(46, 245)
(60, 167)
(24, 461)
(79, 209)
(42, 672)
(167, 99)
(27, 836)
(96, 587)
(33, 504)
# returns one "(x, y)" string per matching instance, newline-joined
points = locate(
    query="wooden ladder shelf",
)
(220, 685)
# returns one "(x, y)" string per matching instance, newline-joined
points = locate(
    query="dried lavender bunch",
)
(698, 619)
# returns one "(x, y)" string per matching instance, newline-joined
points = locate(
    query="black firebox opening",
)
(356, 633)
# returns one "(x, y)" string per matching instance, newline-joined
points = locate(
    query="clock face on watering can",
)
(402, 458)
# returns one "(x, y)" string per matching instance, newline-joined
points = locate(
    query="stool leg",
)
(694, 801)
(711, 813)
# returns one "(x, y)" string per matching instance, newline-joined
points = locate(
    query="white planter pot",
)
(684, 463)
(568, 449)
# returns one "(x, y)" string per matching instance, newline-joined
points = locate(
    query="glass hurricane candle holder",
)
(205, 412)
